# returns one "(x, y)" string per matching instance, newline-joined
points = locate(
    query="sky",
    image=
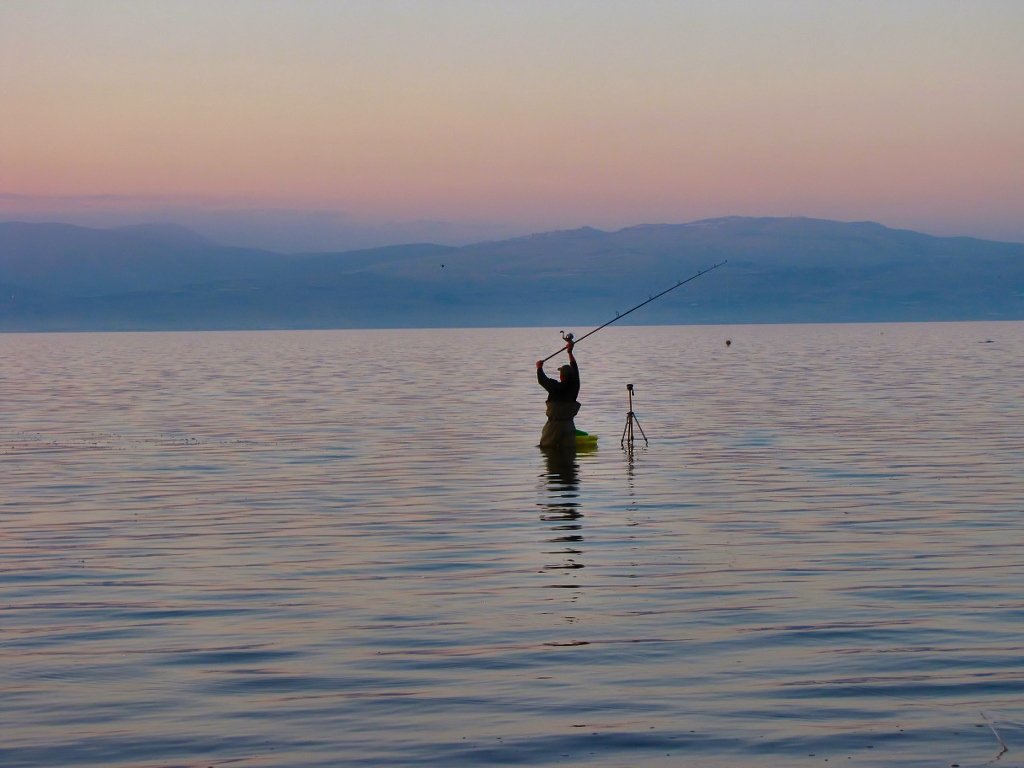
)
(321, 124)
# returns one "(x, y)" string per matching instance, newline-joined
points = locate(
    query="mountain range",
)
(57, 277)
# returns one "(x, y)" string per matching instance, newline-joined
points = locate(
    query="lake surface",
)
(344, 548)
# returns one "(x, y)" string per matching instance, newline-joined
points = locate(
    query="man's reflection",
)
(562, 510)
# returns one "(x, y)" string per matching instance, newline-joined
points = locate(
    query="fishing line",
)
(568, 336)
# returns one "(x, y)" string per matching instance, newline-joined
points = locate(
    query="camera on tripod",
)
(631, 420)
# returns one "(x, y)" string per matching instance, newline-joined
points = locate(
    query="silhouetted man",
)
(560, 430)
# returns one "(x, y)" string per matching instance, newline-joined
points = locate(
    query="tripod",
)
(631, 419)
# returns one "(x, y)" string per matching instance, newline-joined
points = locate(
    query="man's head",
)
(564, 371)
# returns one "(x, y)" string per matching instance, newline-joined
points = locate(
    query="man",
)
(560, 430)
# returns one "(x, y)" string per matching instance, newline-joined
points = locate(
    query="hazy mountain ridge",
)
(780, 270)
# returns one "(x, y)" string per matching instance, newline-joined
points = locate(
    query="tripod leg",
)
(646, 441)
(622, 442)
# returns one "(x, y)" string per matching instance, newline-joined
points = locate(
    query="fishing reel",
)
(566, 337)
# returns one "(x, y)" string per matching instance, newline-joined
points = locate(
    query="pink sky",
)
(532, 115)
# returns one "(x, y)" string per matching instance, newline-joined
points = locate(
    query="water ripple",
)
(343, 548)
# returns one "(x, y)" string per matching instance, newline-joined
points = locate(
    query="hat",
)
(564, 369)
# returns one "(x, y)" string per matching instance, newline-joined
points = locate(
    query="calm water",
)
(343, 548)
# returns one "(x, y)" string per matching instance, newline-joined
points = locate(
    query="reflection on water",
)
(294, 549)
(561, 511)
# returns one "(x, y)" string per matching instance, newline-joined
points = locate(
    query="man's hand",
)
(568, 346)
(540, 364)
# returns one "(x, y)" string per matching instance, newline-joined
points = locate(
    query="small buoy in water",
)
(728, 342)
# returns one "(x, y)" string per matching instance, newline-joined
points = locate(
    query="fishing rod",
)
(568, 336)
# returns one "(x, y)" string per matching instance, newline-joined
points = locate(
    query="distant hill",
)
(65, 260)
(60, 277)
